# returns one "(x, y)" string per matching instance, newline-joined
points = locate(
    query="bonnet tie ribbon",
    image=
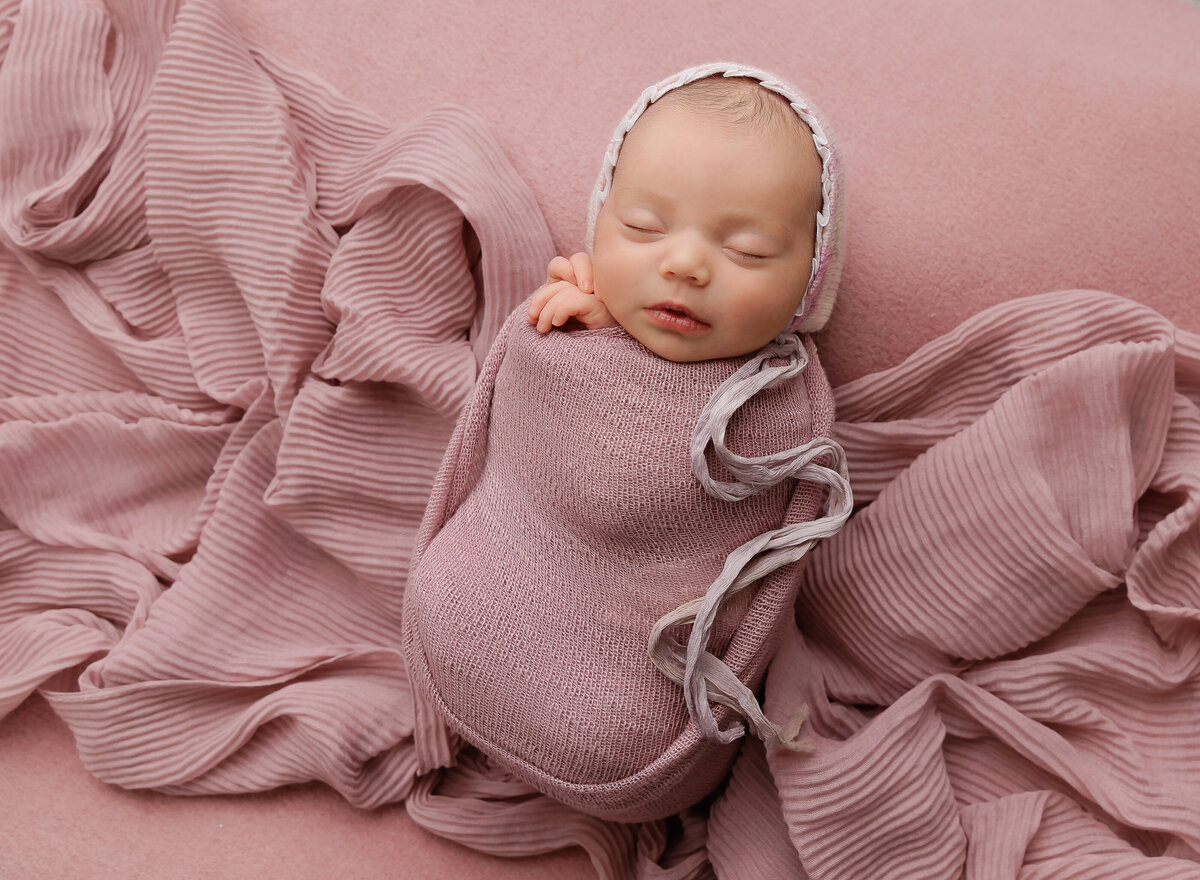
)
(705, 678)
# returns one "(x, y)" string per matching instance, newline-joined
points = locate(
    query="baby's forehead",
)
(761, 119)
(738, 100)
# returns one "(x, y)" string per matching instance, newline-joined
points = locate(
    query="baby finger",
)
(560, 269)
(581, 267)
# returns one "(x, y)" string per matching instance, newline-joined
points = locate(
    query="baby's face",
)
(704, 245)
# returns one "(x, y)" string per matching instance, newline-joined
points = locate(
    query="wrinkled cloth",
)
(565, 522)
(1001, 648)
(225, 387)
(241, 317)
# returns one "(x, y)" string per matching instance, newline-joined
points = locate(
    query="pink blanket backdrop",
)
(1019, 591)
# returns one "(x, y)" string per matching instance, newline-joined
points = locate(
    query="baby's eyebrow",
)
(765, 227)
(641, 193)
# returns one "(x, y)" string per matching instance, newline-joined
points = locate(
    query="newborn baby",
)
(704, 245)
(597, 568)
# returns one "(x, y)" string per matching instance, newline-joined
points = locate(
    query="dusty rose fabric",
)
(565, 521)
(241, 317)
(992, 150)
(1001, 652)
(1002, 648)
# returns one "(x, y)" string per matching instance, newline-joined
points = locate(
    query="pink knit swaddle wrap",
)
(563, 525)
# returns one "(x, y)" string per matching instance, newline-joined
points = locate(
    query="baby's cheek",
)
(601, 278)
(608, 287)
(777, 306)
(612, 264)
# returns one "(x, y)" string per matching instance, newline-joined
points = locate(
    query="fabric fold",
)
(256, 309)
(241, 315)
(1007, 620)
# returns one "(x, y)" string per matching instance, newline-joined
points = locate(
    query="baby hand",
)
(567, 295)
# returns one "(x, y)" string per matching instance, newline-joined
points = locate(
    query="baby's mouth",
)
(675, 316)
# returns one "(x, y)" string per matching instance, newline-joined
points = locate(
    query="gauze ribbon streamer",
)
(704, 677)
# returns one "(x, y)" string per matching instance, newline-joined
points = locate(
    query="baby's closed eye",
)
(642, 221)
(746, 255)
(749, 253)
(751, 247)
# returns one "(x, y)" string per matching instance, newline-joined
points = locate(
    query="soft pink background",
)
(994, 149)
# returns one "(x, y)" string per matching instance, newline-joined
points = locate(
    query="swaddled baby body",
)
(584, 526)
(592, 542)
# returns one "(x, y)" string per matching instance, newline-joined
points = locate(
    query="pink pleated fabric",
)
(241, 315)
(1001, 649)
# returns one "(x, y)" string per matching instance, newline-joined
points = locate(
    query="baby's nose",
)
(686, 260)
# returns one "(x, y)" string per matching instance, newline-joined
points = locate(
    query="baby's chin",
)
(691, 351)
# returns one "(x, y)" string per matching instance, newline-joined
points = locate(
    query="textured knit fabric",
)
(562, 526)
(204, 538)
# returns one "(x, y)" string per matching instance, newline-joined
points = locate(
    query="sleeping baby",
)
(705, 242)
(613, 540)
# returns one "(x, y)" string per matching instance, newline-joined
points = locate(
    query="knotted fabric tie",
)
(704, 677)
